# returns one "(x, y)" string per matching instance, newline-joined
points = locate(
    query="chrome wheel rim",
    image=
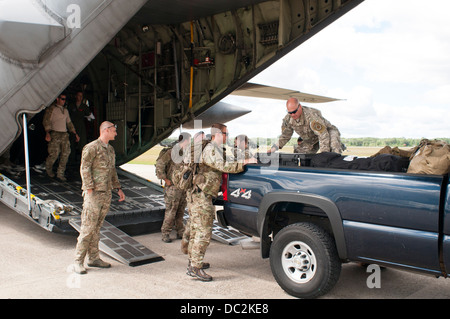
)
(299, 262)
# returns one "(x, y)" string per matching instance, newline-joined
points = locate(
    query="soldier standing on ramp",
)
(56, 122)
(99, 177)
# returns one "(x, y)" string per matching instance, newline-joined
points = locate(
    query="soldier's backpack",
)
(159, 162)
(180, 175)
(182, 178)
(432, 157)
(186, 176)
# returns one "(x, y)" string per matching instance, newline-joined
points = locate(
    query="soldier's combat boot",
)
(79, 268)
(166, 238)
(190, 271)
(50, 173)
(99, 263)
(200, 274)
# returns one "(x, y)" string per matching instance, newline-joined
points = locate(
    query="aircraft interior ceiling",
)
(150, 66)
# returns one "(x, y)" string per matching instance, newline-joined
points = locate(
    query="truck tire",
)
(304, 260)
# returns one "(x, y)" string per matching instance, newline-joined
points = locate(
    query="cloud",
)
(388, 59)
(439, 95)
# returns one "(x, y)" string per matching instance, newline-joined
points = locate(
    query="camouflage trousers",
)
(59, 146)
(201, 214)
(175, 200)
(186, 235)
(95, 208)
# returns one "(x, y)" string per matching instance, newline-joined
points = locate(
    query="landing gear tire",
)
(304, 260)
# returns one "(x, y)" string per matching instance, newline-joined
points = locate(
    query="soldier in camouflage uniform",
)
(207, 183)
(196, 151)
(241, 148)
(79, 113)
(168, 164)
(99, 177)
(318, 134)
(56, 122)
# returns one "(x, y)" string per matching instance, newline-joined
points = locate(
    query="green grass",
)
(149, 157)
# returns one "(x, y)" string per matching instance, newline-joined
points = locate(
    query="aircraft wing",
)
(220, 112)
(270, 92)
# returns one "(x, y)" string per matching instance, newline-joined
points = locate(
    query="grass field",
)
(149, 157)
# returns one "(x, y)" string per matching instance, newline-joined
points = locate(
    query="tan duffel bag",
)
(431, 157)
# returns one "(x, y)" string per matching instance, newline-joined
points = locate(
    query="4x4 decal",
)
(242, 192)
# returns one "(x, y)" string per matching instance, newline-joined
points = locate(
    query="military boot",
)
(166, 238)
(99, 263)
(79, 268)
(50, 173)
(199, 273)
(190, 271)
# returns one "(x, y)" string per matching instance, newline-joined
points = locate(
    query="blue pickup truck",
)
(311, 220)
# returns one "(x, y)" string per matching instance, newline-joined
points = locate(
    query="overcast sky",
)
(389, 60)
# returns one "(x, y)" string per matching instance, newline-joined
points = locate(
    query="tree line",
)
(355, 141)
(391, 141)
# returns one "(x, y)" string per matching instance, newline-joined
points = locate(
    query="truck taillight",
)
(224, 187)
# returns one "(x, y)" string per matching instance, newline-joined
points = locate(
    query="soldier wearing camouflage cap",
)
(168, 164)
(207, 183)
(99, 177)
(318, 134)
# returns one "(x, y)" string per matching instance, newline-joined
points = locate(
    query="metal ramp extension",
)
(228, 236)
(118, 245)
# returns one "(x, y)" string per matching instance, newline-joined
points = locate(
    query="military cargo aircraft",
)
(149, 66)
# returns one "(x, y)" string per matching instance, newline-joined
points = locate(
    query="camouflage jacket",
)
(98, 167)
(163, 164)
(57, 118)
(311, 126)
(212, 164)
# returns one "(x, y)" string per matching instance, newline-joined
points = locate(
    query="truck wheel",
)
(304, 260)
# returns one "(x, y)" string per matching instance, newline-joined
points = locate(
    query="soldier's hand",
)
(167, 181)
(48, 137)
(77, 138)
(121, 195)
(251, 161)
